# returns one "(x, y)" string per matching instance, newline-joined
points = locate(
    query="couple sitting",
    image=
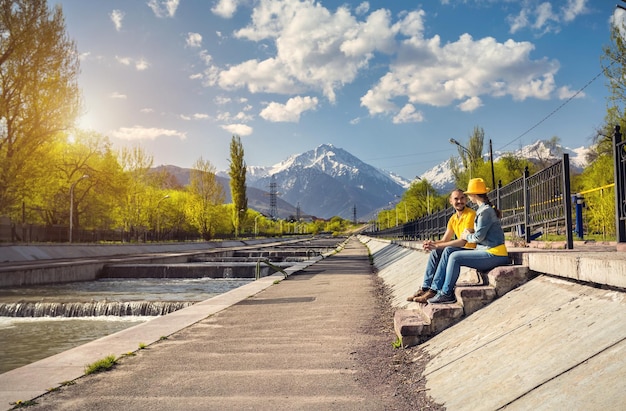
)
(479, 244)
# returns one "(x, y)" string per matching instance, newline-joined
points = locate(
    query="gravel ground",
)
(394, 373)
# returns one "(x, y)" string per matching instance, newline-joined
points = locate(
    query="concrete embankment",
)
(550, 344)
(22, 265)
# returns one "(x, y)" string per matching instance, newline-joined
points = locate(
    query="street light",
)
(72, 203)
(471, 158)
(256, 232)
(159, 216)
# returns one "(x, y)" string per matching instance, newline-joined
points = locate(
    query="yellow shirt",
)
(459, 224)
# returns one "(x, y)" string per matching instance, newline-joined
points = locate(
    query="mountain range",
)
(329, 181)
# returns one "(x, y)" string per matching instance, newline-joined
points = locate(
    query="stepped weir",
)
(91, 309)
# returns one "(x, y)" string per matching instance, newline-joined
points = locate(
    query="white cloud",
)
(200, 116)
(163, 8)
(428, 73)
(221, 100)
(408, 114)
(542, 17)
(238, 129)
(141, 65)
(145, 133)
(289, 112)
(147, 110)
(116, 17)
(226, 117)
(362, 8)
(194, 40)
(573, 8)
(565, 93)
(124, 60)
(470, 104)
(316, 49)
(118, 95)
(225, 8)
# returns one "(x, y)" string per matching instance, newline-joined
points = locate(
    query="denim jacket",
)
(488, 232)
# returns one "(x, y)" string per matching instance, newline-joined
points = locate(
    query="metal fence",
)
(527, 204)
(619, 156)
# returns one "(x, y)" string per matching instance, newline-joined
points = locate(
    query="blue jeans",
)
(451, 260)
(433, 263)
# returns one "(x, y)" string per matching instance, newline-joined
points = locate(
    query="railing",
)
(620, 185)
(527, 203)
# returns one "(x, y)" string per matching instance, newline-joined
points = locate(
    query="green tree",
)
(472, 159)
(136, 164)
(237, 175)
(206, 195)
(39, 95)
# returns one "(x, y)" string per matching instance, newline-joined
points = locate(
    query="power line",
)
(573, 96)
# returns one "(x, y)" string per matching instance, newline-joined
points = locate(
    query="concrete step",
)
(419, 322)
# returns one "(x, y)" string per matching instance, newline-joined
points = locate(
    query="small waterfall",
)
(91, 309)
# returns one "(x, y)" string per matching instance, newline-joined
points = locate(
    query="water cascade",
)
(91, 309)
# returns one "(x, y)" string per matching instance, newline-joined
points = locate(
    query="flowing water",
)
(37, 322)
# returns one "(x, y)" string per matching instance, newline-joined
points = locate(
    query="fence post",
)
(618, 150)
(580, 201)
(567, 202)
(526, 190)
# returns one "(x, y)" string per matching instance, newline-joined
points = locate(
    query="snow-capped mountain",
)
(540, 152)
(328, 181)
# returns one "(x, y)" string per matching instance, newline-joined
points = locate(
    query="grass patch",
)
(142, 346)
(276, 282)
(129, 354)
(68, 383)
(397, 343)
(22, 404)
(104, 364)
(163, 338)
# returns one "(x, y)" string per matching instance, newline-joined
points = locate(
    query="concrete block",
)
(441, 316)
(508, 277)
(474, 298)
(610, 271)
(409, 326)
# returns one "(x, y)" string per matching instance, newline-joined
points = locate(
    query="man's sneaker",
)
(422, 299)
(442, 298)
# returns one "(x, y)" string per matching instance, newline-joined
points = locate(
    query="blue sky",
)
(389, 81)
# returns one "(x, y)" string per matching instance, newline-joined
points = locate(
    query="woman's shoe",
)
(442, 298)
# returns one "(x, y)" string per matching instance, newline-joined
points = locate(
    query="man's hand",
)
(429, 245)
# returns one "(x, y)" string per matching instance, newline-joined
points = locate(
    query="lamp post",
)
(159, 216)
(471, 158)
(256, 232)
(72, 204)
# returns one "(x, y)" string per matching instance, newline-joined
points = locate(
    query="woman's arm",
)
(484, 220)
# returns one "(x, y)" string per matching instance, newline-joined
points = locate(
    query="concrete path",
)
(291, 346)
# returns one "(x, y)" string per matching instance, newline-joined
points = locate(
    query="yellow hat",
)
(477, 186)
